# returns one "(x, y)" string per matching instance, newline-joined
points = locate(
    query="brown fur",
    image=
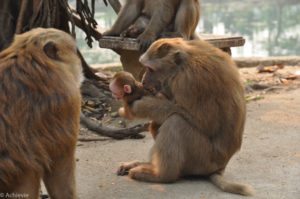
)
(137, 28)
(137, 92)
(140, 26)
(181, 15)
(205, 82)
(40, 76)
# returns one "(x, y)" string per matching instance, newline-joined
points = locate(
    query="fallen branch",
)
(258, 86)
(92, 139)
(112, 132)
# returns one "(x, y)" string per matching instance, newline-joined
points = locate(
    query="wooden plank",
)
(220, 41)
(118, 43)
(223, 41)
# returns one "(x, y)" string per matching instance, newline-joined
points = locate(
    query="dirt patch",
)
(258, 84)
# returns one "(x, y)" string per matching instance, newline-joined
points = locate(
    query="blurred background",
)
(270, 27)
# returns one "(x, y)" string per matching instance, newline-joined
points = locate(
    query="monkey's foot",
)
(149, 173)
(130, 32)
(145, 40)
(124, 168)
(141, 172)
(146, 172)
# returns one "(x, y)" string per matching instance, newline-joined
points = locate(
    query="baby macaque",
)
(124, 87)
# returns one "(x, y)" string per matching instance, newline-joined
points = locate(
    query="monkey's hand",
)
(125, 113)
(161, 95)
(146, 39)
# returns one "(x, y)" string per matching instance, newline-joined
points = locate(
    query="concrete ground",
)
(269, 159)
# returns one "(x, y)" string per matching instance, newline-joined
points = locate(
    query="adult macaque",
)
(141, 24)
(182, 15)
(124, 86)
(205, 82)
(40, 76)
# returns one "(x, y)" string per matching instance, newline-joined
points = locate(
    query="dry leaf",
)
(253, 98)
(285, 81)
(269, 69)
(292, 77)
(280, 66)
(100, 185)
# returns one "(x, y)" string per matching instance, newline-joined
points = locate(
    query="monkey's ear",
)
(127, 88)
(178, 58)
(51, 50)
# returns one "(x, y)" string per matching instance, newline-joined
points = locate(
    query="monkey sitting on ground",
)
(40, 76)
(205, 82)
(181, 15)
(123, 86)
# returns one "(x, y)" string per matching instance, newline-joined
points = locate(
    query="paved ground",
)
(269, 159)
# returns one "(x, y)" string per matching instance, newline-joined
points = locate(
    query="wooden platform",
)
(220, 41)
(128, 49)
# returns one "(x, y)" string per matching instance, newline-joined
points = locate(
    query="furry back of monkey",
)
(40, 75)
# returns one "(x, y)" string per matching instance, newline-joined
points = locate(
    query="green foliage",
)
(271, 26)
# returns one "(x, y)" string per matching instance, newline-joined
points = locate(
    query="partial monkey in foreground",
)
(40, 76)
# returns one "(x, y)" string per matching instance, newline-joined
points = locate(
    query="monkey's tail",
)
(230, 187)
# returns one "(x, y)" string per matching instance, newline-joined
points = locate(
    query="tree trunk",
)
(19, 16)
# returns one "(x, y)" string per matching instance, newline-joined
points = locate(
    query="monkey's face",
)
(122, 84)
(162, 61)
(118, 90)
